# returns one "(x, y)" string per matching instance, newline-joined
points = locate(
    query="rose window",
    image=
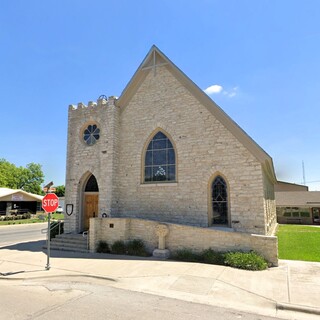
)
(91, 135)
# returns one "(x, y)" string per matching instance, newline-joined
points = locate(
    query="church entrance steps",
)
(70, 242)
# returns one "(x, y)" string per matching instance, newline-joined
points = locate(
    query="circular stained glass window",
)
(91, 135)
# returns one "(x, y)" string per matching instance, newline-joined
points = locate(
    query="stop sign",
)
(50, 202)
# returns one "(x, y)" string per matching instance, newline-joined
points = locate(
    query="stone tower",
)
(92, 153)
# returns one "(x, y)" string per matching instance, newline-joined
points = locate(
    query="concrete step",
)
(69, 245)
(72, 249)
(69, 242)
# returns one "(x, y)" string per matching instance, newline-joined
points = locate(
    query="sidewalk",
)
(294, 285)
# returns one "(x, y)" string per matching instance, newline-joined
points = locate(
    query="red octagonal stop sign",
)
(50, 202)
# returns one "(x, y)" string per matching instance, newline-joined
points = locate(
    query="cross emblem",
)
(154, 64)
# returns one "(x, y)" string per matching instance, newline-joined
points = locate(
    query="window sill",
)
(164, 184)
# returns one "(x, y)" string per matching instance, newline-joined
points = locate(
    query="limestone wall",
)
(180, 236)
(99, 159)
(204, 148)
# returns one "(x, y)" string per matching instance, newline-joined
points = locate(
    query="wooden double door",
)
(90, 208)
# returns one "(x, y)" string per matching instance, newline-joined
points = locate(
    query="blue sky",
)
(259, 59)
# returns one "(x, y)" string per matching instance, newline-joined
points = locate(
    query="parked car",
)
(59, 210)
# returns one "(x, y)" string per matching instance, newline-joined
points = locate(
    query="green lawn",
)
(299, 242)
(54, 216)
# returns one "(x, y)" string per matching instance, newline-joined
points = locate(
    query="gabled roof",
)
(298, 198)
(156, 58)
(5, 192)
(283, 186)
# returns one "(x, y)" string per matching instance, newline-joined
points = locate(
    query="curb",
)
(297, 307)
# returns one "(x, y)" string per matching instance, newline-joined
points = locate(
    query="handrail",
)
(85, 233)
(56, 225)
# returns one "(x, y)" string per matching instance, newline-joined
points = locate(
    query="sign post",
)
(50, 203)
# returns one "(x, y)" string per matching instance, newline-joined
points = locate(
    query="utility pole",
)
(303, 174)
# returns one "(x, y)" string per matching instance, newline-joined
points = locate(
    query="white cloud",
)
(213, 89)
(232, 92)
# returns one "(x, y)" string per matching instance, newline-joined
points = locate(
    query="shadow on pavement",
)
(101, 256)
(40, 246)
(34, 246)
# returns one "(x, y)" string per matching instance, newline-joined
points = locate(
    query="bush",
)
(212, 257)
(119, 247)
(186, 255)
(26, 215)
(136, 248)
(103, 247)
(241, 260)
(42, 217)
(133, 248)
(245, 260)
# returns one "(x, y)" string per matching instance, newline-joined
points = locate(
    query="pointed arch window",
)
(92, 184)
(160, 160)
(219, 193)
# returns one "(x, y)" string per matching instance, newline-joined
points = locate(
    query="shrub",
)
(103, 247)
(119, 247)
(136, 248)
(42, 217)
(133, 248)
(212, 257)
(26, 215)
(186, 255)
(245, 260)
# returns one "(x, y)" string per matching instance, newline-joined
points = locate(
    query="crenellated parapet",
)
(100, 103)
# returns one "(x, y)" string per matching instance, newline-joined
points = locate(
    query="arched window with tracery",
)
(160, 160)
(219, 193)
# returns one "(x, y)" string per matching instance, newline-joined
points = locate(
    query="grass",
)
(37, 219)
(299, 242)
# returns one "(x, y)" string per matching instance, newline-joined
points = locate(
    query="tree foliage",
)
(27, 178)
(60, 190)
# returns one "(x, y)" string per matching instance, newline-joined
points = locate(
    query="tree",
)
(27, 178)
(31, 178)
(60, 190)
(8, 174)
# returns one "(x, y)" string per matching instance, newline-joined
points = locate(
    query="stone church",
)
(164, 153)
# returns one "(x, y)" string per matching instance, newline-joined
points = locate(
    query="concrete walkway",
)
(290, 291)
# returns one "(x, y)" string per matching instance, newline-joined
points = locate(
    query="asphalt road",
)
(81, 299)
(22, 233)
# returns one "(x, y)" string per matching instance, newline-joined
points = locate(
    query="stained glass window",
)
(91, 135)
(160, 160)
(219, 201)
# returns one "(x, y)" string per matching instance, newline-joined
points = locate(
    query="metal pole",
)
(48, 186)
(48, 243)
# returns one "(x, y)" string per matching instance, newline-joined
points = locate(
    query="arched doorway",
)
(91, 201)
